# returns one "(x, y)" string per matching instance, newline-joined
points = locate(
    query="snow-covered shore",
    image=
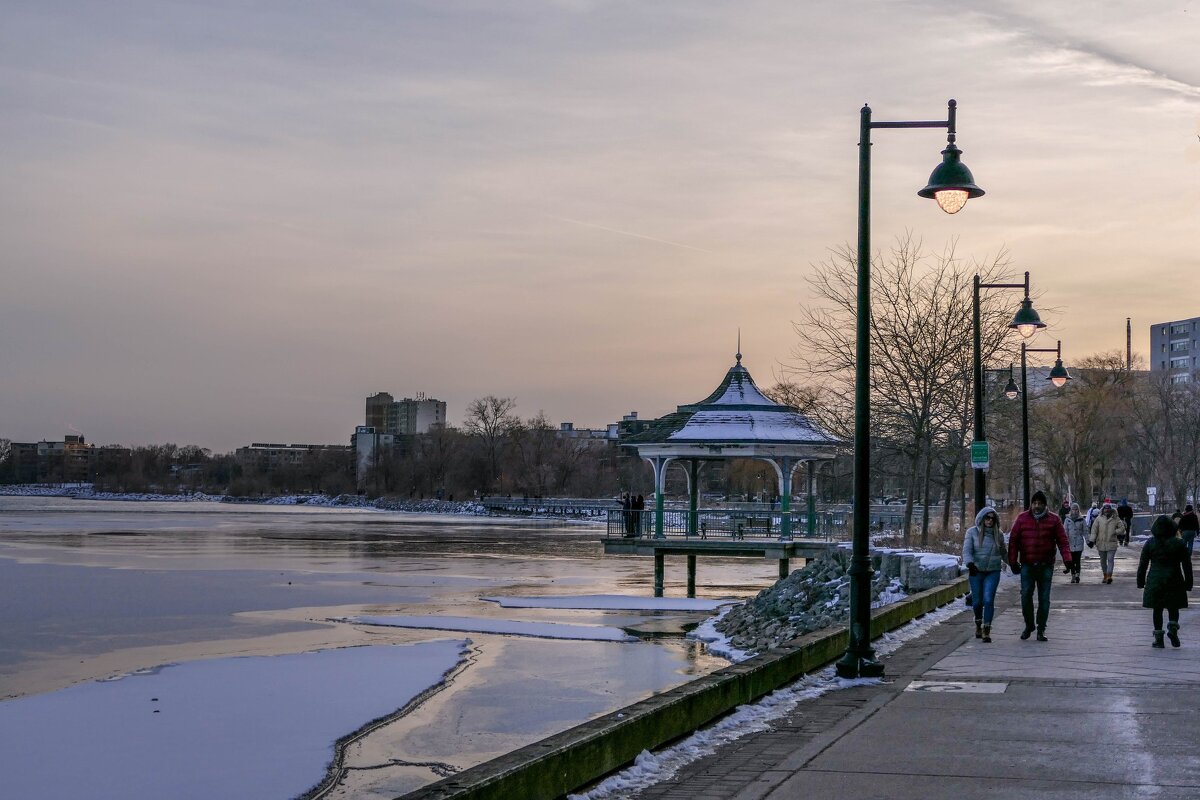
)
(85, 491)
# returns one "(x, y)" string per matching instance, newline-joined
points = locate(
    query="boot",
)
(1041, 637)
(1173, 633)
(1026, 633)
(978, 629)
(987, 634)
(1158, 640)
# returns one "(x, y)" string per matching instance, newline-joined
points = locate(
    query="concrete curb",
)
(574, 758)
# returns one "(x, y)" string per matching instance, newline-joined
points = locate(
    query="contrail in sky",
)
(630, 233)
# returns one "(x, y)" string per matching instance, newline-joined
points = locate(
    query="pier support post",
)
(783, 568)
(691, 589)
(658, 574)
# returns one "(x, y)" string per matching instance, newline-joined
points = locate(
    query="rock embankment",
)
(818, 596)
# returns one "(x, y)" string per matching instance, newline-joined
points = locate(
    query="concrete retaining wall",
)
(569, 760)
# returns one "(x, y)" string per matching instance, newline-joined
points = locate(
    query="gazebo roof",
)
(736, 414)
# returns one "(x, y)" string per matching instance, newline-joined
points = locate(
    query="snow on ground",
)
(652, 768)
(541, 630)
(611, 602)
(716, 642)
(261, 727)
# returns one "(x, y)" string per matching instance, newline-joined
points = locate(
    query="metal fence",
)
(726, 524)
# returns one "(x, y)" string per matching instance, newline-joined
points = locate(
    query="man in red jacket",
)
(1031, 544)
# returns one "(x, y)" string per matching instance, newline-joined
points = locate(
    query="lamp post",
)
(1059, 377)
(1027, 322)
(951, 185)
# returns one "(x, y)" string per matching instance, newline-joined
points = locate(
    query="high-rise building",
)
(406, 417)
(1175, 348)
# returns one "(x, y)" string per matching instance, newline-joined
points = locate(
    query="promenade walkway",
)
(1093, 713)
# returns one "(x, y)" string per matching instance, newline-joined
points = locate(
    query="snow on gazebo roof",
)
(736, 413)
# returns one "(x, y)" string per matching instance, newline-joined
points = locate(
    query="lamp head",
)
(1012, 391)
(1059, 375)
(1026, 320)
(951, 183)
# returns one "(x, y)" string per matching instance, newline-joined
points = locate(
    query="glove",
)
(1015, 567)
(972, 569)
(1091, 544)
(1141, 584)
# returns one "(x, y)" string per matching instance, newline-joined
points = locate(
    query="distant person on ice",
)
(1031, 543)
(1165, 574)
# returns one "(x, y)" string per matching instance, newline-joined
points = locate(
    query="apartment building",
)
(406, 417)
(1175, 348)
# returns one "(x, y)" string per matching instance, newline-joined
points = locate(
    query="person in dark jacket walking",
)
(1031, 543)
(1189, 526)
(1165, 574)
(983, 553)
(1125, 514)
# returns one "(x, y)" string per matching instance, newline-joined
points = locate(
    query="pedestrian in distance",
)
(1035, 534)
(1165, 576)
(627, 515)
(1189, 526)
(1104, 535)
(1092, 513)
(983, 553)
(1125, 514)
(639, 505)
(1073, 523)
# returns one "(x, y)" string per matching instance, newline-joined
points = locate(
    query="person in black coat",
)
(1165, 574)
(1125, 514)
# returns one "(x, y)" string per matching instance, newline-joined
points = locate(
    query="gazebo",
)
(736, 421)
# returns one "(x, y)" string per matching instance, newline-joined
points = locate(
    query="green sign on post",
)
(981, 455)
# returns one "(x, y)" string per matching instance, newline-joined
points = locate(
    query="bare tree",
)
(921, 341)
(491, 420)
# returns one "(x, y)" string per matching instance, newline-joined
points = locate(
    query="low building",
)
(268, 457)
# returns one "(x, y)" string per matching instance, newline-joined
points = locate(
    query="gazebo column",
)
(812, 498)
(691, 578)
(660, 481)
(784, 467)
(693, 472)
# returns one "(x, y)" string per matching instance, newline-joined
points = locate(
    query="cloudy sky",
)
(226, 222)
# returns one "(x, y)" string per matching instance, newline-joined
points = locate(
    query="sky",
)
(226, 222)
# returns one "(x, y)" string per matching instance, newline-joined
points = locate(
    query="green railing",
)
(726, 524)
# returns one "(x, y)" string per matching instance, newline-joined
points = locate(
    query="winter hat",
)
(1107, 506)
(1038, 495)
(1163, 528)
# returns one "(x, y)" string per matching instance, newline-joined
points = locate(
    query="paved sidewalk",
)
(1093, 713)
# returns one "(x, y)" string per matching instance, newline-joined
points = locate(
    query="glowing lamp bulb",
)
(951, 200)
(1026, 330)
(1059, 382)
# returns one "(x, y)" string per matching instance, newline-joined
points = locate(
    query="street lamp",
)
(1026, 322)
(951, 185)
(1011, 390)
(1059, 377)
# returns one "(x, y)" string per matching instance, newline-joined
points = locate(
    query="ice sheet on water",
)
(261, 726)
(542, 630)
(611, 602)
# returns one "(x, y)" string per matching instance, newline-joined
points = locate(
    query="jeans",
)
(1189, 538)
(1107, 561)
(1038, 575)
(1076, 562)
(983, 595)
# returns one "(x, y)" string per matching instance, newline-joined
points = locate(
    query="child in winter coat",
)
(1165, 572)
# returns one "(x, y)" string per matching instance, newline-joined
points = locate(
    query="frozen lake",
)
(98, 589)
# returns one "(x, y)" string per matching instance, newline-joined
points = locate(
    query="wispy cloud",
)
(631, 234)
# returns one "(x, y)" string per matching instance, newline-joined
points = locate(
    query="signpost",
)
(981, 455)
(1151, 495)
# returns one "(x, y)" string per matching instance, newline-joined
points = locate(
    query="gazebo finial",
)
(739, 350)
